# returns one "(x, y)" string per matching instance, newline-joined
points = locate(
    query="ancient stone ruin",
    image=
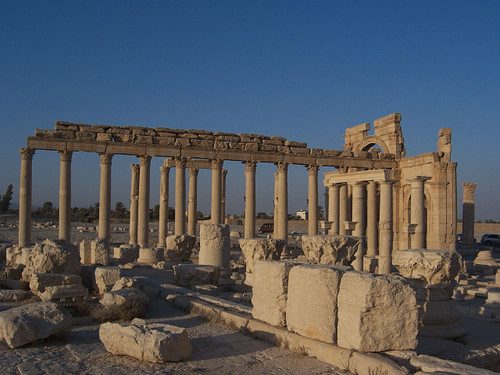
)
(360, 290)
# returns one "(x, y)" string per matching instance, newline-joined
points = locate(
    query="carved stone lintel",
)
(106, 158)
(66, 155)
(27, 153)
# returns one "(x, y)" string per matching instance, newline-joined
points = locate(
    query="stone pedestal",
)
(491, 308)
(215, 245)
(256, 249)
(332, 250)
(432, 274)
(150, 255)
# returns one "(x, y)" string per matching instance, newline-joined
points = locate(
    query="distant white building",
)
(302, 214)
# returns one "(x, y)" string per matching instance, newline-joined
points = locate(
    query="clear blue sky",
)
(304, 70)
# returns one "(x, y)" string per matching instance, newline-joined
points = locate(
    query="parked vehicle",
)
(491, 240)
(266, 228)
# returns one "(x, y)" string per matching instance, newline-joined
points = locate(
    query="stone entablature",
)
(165, 142)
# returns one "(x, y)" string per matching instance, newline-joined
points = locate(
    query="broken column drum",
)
(215, 245)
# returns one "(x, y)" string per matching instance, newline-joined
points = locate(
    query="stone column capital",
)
(217, 163)
(282, 166)
(418, 179)
(251, 166)
(144, 160)
(135, 168)
(469, 186)
(193, 172)
(313, 169)
(224, 172)
(66, 155)
(435, 267)
(180, 162)
(164, 169)
(27, 153)
(106, 158)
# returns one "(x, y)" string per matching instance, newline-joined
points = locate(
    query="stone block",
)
(179, 247)
(189, 275)
(376, 313)
(126, 283)
(16, 255)
(8, 295)
(105, 278)
(85, 252)
(52, 257)
(270, 290)
(157, 343)
(65, 295)
(99, 252)
(332, 250)
(40, 281)
(126, 253)
(215, 245)
(26, 324)
(150, 255)
(311, 308)
(124, 304)
(256, 249)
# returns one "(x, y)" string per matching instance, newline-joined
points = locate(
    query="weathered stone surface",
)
(85, 252)
(179, 247)
(40, 281)
(126, 253)
(311, 308)
(371, 363)
(147, 342)
(332, 250)
(52, 257)
(66, 295)
(125, 283)
(189, 275)
(150, 255)
(14, 295)
(442, 366)
(376, 313)
(98, 252)
(26, 324)
(16, 255)
(105, 278)
(124, 304)
(270, 291)
(256, 249)
(432, 274)
(215, 245)
(431, 266)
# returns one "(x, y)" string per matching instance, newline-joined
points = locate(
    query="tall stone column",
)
(223, 197)
(134, 202)
(192, 201)
(250, 199)
(327, 205)
(180, 196)
(418, 211)
(143, 214)
(385, 227)
(163, 217)
(105, 199)
(343, 206)
(216, 190)
(282, 231)
(25, 197)
(358, 217)
(333, 208)
(275, 205)
(313, 199)
(371, 217)
(65, 196)
(468, 215)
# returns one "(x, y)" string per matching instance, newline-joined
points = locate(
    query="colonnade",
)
(140, 191)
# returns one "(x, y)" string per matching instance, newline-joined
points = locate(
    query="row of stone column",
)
(139, 199)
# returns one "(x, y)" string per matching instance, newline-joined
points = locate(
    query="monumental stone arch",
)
(395, 202)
